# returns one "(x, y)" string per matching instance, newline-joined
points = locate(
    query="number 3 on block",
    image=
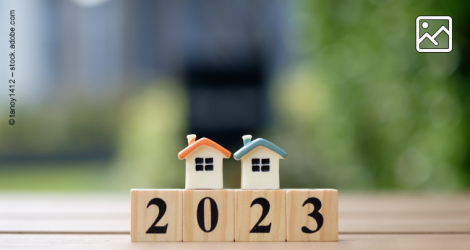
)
(315, 214)
(312, 215)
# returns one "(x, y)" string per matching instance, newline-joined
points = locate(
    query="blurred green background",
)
(354, 104)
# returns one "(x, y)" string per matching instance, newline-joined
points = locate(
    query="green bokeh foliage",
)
(363, 109)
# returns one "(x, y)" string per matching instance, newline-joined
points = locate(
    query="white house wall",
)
(204, 179)
(260, 180)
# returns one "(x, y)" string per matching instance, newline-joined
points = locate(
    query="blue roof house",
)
(260, 163)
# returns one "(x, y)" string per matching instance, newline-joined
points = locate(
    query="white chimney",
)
(246, 139)
(191, 138)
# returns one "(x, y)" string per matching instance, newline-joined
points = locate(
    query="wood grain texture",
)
(299, 208)
(144, 215)
(352, 241)
(391, 212)
(246, 216)
(223, 230)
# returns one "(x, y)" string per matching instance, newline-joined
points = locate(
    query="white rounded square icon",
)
(434, 34)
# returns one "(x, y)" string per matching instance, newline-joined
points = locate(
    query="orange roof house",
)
(193, 144)
(204, 163)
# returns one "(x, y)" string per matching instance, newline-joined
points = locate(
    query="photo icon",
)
(434, 34)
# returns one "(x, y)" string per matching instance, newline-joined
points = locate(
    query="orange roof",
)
(203, 141)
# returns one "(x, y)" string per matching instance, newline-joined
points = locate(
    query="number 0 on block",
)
(208, 215)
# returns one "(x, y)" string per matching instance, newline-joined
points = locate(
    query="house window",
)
(265, 165)
(209, 164)
(204, 164)
(258, 165)
(255, 165)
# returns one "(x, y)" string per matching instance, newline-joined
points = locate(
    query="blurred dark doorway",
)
(227, 102)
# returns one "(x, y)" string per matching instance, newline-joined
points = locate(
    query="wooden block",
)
(260, 215)
(312, 214)
(208, 215)
(156, 215)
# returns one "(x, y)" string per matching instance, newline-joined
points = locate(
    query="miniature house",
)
(260, 163)
(204, 162)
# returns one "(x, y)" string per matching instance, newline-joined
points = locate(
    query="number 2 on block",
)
(153, 229)
(265, 205)
(314, 214)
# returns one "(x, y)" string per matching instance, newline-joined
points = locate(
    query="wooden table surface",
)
(366, 221)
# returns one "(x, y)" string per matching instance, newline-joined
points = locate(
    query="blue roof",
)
(258, 142)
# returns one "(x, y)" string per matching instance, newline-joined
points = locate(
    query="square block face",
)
(260, 215)
(312, 215)
(156, 215)
(208, 215)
